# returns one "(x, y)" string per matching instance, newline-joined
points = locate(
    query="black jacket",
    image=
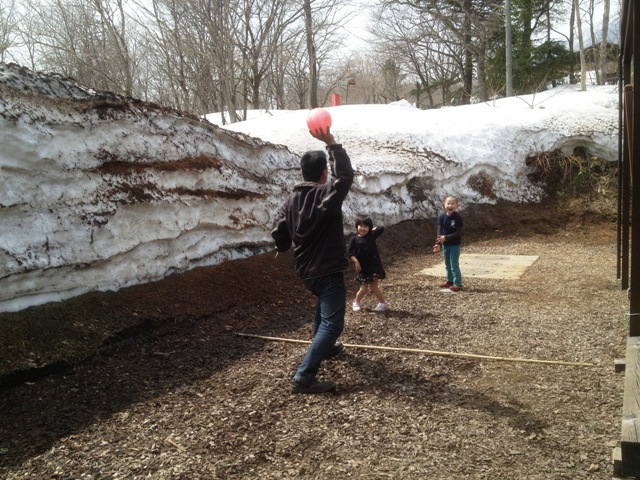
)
(451, 228)
(311, 219)
(365, 250)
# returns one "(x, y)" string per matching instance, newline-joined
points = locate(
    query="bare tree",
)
(170, 52)
(269, 27)
(28, 48)
(294, 80)
(583, 61)
(89, 40)
(604, 43)
(219, 25)
(197, 55)
(429, 46)
(114, 22)
(9, 19)
(297, 82)
(324, 21)
(311, 52)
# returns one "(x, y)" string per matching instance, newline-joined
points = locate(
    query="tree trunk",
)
(572, 67)
(313, 61)
(483, 94)
(468, 57)
(604, 44)
(583, 62)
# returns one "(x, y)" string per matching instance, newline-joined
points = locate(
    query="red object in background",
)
(318, 118)
(335, 100)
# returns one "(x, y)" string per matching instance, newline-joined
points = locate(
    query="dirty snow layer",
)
(99, 192)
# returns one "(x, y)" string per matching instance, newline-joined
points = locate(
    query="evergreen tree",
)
(537, 60)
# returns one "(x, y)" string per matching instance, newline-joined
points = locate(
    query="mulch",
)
(154, 382)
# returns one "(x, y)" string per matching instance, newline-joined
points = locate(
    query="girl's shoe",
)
(381, 307)
(356, 306)
(455, 288)
(446, 284)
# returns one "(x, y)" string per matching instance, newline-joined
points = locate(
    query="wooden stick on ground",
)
(179, 447)
(429, 352)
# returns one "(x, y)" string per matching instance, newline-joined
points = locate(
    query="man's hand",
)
(324, 136)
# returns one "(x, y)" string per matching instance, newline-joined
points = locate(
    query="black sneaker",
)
(337, 348)
(314, 386)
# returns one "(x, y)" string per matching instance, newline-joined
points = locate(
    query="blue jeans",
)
(451, 255)
(328, 322)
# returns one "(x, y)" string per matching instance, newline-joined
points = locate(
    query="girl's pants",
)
(451, 255)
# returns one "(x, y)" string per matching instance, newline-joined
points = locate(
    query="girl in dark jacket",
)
(363, 252)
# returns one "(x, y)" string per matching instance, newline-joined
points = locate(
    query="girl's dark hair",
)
(364, 221)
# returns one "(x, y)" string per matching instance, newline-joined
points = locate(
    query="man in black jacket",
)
(311, 219)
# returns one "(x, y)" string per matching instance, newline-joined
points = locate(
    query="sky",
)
(98, 192)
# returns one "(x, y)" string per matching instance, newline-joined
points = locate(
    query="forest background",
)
(203, 56)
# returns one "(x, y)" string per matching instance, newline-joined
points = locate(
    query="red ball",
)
(318, 118)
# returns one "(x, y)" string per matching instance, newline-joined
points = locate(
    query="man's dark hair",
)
(313, 164)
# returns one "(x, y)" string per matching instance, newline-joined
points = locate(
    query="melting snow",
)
(101, 192)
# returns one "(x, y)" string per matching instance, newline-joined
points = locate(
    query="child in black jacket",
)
(363, 252)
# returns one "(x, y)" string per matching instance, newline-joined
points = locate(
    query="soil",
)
(154, 382)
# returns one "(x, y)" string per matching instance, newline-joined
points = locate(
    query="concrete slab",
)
(509, 267)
